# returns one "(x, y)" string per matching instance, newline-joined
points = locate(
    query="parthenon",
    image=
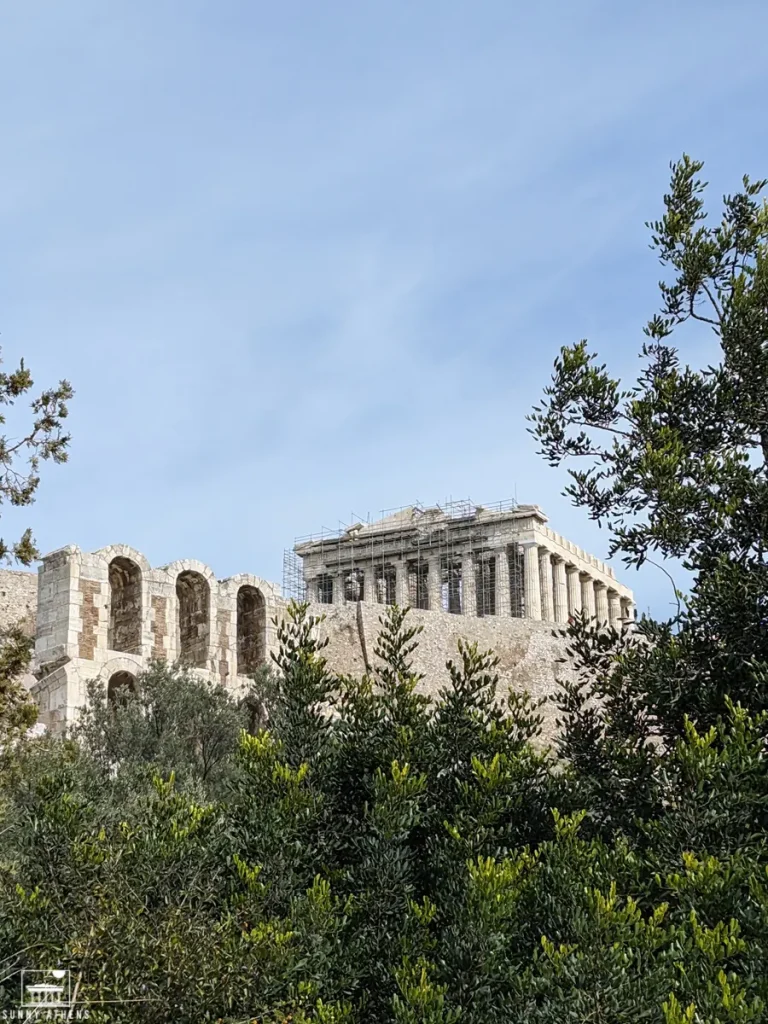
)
(496, 560)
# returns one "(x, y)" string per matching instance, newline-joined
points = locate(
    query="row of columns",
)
(553, 589)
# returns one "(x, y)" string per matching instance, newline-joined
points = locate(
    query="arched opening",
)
(124, 632)
(194, 622)
(120, 686)
(251, 630)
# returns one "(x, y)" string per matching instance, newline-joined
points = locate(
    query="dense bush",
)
(373, 856)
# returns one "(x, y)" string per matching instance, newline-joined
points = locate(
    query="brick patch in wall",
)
(223, 622)
(90, 589)
(159, 626)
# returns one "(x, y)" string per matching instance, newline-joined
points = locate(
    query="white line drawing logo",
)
(46, 989)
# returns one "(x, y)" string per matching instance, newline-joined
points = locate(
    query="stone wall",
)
(108, 613)
(528, 652)
(18, 599)
(18, 605)
(81, 608)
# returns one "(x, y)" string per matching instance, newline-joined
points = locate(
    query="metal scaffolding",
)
(363, 554)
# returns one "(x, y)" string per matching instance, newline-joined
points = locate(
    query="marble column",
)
(338, 588)
(588, 598)
(434, 579)
(574, 590)
(614, 609)
(468, 586)
(401, 584)
(560, 591)
(369, 585)
(627, 610)
(545, 583)
(532, 585)
(601, 604)
(503, 596)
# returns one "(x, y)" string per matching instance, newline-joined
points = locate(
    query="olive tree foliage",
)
(675, 463)
(171, 721)
(18, 712)
(377, 857)
(678, 459)
(42, 438)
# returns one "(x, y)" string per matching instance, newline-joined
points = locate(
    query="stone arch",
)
(125, 607)
(193, 604)
(120, 684)
(124, 551)
(251, 629)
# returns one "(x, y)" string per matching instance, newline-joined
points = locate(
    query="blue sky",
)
(302, 260)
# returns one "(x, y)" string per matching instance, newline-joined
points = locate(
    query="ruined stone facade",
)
(497, 576)
(106, 614)
(502, 562)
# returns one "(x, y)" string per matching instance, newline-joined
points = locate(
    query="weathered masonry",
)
(497, 575)
(475, 561)
(107, 614)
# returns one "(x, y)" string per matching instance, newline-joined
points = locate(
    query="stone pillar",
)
(532, 585)
(401, 584)
(434, 584)
(338, 588)
(369, 585)
(560, 591)
(574, 590)
(545, 582)
(588, 597)
(468, 586)
(601, 604)
(627, 610)
(614, 609)
(503, 596)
